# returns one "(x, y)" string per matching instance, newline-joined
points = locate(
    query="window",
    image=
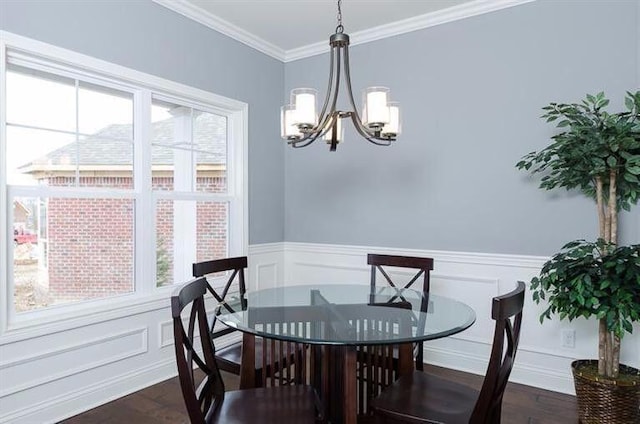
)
(189, 151)
(99, 167)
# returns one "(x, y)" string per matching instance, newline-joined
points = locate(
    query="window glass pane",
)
(186, 232)
(163, 144)
(210, 139)
(212, 232)
(40, 99)
(71, 249)
(188, 143)
(164, 242)
(105, 162)
(40, 157)
(56, 159)
(105, 111)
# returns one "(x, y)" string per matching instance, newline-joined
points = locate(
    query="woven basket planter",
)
(606, 401)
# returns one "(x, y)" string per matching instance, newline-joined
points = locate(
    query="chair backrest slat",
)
(507, 312)
(423, 266)
(205, 269)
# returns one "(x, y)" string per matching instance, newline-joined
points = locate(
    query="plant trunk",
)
(613, 207)
(608, 356)
(608, 342)
(616, 355)
(602, 346)
(600, 206)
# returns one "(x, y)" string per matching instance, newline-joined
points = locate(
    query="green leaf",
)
(628, 101)
(635, 170)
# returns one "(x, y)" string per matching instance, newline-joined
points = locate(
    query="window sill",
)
(57, 319)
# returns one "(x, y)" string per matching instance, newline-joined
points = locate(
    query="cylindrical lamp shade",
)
(393, 128)
(339, 131)
(304, 101)
(288, 130)
(375, 109)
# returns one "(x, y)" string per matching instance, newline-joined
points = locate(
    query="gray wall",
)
(471, 93)
(150, 38)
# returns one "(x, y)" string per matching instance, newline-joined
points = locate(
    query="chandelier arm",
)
(370, 138)
(324, 118)
(355, 117)
(336, 88)
(311, 136)
(321, 117)
(318, 131)
(296, 143)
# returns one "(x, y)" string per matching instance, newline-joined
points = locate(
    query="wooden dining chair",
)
(229, 357)
(423, 267)
(203, 391)
(426, 398)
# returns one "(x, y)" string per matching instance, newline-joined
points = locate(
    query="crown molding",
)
(454, 13)
(462, 11)
(207, 19)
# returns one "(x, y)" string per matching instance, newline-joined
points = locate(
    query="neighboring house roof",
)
(20, 210)
(105, 148)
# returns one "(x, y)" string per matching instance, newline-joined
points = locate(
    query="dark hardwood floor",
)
(162, 404)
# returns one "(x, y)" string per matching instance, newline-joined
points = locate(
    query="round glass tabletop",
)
(346, 314)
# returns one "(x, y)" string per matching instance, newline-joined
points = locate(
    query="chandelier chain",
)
(339, 28)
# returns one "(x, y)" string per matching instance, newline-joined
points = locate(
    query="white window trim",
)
(146, 297)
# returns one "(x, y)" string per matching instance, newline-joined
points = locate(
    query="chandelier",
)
(301, 125)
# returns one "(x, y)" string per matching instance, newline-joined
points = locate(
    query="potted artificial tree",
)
(598, 153)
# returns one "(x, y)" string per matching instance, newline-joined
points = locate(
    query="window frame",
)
(145, 296)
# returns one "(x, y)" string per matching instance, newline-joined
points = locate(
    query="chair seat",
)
(278, 405)
(229, 357)
(428, 396)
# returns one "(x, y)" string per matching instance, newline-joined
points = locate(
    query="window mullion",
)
(237, 184)
(184, 213)
(145, 270)
(5, 297)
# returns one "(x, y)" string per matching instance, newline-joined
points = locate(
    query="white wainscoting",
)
(70, 368)
(473, 278)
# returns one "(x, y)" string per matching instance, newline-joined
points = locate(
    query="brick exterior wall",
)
(212, 222)
(90, 241)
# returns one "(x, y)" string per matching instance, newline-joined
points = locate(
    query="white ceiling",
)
(291, 29)
(290, 24)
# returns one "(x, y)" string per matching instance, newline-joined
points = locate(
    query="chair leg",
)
(420, 357)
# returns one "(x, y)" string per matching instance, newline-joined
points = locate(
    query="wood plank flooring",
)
(162, 404)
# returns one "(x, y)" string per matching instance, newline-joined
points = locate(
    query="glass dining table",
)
(342, 323)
